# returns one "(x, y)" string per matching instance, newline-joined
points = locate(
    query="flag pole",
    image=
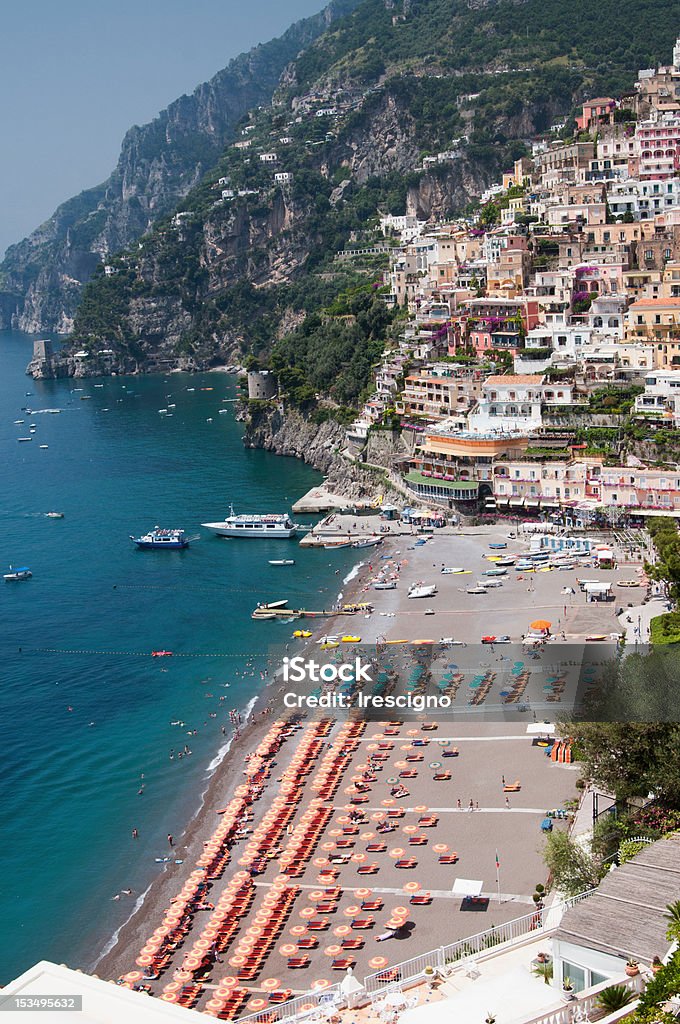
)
(498, 877)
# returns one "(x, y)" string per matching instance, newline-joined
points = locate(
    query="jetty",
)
(277, 610)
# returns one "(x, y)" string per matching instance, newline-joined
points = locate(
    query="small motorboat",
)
(282, 561)
(488, 639)
(54, 515)
(369, 542)
(498, 547)
(453, 570)
(477, 590)
(351, 639)
(302, 634)
(593, 636)
(14, 575)
(385, 585)
(495, 572)
(44, 446)
(161, 654)
(422, 590)
(628, 583)
(24, 439)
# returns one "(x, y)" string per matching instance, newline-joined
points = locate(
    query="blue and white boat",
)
(158, 539)
(18, 574)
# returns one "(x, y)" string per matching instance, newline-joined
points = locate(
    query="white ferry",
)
(274, 525)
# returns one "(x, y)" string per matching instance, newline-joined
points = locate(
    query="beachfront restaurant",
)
(423, 518)
(435, 487)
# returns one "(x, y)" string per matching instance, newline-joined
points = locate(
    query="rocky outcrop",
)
(288, 432)
(41, 278)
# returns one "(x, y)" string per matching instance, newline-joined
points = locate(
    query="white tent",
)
(511, 997)
(467, 887)
(538, 729)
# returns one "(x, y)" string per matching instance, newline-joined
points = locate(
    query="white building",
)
(644, 200)
(661, 397)
(283, 177)
(513, 402)
(268, 158)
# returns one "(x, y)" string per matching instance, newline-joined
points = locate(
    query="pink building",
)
(594, 111)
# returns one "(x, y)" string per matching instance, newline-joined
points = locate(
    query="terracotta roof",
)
(599, 101)
(515, 378)
(675, 303)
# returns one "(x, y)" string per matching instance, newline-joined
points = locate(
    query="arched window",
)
(597, 322)
(613, 321)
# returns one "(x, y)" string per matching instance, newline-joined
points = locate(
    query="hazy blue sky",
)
(75, 75)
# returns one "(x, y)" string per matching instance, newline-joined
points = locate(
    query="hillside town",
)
(538, 366)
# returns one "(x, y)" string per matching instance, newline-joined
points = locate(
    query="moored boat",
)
(282, 561)
(158, 539)
(422, 590)
(275, 525)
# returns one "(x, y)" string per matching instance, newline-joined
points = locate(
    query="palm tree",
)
(673, 916)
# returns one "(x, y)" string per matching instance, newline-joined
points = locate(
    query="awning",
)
(467, 887)
(536, 729)
(532, 502)
(517, 502)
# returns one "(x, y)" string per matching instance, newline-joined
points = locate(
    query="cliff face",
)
(41, 278)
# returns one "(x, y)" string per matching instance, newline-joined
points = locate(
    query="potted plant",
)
(429, 971)
(632, 968)
(657, 964)
(568, 988)
(489, 1019)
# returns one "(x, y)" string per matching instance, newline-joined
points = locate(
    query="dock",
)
(277, 611)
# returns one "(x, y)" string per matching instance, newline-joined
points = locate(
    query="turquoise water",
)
(69, 780)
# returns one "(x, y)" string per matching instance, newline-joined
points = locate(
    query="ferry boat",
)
(274, 525)
(157, 539)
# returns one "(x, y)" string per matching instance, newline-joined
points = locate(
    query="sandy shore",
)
(488, 751)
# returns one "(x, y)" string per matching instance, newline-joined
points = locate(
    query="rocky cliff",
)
(41, 278)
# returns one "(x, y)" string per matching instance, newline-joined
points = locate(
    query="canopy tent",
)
(510, 997)
(467, 887)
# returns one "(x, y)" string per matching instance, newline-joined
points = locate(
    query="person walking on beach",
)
(507, 803)
(502, 780)
(171, 841)
(471, 805)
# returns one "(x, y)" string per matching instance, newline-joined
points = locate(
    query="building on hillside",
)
(653, 320)
(565, 162)
(624, 918)
(661, 397)
(514, 402)
(596, 112)
(658, 147)
(546, 483)
(439, 397)
(632, 488)
(451, 465)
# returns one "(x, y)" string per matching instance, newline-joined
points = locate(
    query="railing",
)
(306, 1005)
(518, 930)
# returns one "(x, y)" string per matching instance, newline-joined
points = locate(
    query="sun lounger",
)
(376, 847)
(441, 777)
(453, 752)
(352, 943)
(512, 787)
(363, 922)
(421, 901)
(372, 905)
(317, 925)
(396, 812)
(448, 858)
(307, 942)
(368, 869)
(417, 840)
(407, 862)
(428, 821)
(298, 962)
(281, 995)
(342, 963)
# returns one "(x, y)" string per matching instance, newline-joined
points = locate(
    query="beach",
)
(459, 793)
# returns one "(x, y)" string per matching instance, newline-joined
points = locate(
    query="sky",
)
(75, 75)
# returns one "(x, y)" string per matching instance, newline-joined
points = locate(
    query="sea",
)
(89, 717)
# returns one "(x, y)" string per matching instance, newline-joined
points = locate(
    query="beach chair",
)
(298, 962)
(448, 858)
(372, 905)
(512, 787)
(368, 869)
(352, 943)
(342, 963)
(417, 840)
(363, 923)
(307, 942)
(407, 862)
(441, 777)
(281, 995)
(422, 900)
(317, 925)
(376, 847)
(452, 752)
(396, 812)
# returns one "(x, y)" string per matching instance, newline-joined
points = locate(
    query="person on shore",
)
(171, 841)
(471, 805)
